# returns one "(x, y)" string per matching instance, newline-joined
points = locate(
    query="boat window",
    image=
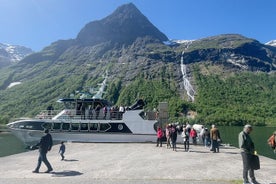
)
(65, 126)
(104, 127)
(56, 126)
(47, 125)
(69, 105)
(142, 114)
(84, 126)
(31, 125)
(93, 126)
(75, 126)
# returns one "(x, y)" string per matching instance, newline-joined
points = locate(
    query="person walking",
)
(159, 137)
(193, 135)
(173, 137)
(206, 136)
(185, 136)
(215, 138)
(44, 145)
(168, 135)
(62, 150)
(247, 148)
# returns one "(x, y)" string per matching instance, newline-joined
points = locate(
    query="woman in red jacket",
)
(159, 137)
(193, 135)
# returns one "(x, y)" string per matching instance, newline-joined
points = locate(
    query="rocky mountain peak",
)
(123, 26)
(12, 53)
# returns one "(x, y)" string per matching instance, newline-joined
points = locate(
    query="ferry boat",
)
(89, 120)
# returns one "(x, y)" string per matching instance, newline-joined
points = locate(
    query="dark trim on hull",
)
(39, 125)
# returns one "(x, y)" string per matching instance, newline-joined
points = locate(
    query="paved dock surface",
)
(132, 163)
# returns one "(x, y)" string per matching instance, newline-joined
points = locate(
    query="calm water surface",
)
(259, 136)
(9, 144)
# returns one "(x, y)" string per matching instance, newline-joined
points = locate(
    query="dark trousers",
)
(42, 158)
(186, 145)
(173, 144)
(215, 146)
(159, 141)
(62, 155)
(247, 168)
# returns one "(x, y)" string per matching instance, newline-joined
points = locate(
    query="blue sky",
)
(38, 23)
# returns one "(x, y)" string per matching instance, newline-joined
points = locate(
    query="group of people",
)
(171, 136)
(212, 139)
(249, 159)
(189, 133)
(100, 112)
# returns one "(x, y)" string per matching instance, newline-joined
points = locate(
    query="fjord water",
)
(259, 136)
(9, 144)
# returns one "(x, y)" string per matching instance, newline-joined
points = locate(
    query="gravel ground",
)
(135, 163)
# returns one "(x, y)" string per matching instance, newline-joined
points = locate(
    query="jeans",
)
(246, 160)
(207, 142)
(42, 158)
(215, 146)
(186, 144)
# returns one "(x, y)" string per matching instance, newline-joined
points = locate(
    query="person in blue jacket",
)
(62, 150)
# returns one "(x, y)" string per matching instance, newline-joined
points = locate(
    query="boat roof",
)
(85, 100)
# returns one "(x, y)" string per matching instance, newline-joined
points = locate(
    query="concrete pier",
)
(125, 163)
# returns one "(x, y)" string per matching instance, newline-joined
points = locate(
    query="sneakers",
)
(36, 171)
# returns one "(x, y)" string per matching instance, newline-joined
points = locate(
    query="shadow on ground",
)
(70, 160)
(66, 173)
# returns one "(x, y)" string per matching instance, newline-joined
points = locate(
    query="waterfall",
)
(187, 85)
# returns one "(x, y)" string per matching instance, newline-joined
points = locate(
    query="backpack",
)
(271, 142)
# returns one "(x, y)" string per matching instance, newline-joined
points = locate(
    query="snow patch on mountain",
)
(14, 53)
(271, 43)
(173, 42)
(13, 84)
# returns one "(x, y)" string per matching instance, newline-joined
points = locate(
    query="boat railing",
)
(47, 114)
(70, 114)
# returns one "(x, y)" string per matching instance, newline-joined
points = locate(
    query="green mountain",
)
(233, 76)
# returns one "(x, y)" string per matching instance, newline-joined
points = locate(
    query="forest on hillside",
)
(245, 97)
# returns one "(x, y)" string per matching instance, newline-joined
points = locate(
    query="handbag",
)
(255, 164)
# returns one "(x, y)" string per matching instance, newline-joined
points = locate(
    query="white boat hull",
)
(33, 137)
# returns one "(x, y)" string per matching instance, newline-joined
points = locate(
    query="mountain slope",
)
(12, 53)
(141, 66)
(233, 50)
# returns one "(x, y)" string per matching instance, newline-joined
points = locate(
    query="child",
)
(62, 150)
